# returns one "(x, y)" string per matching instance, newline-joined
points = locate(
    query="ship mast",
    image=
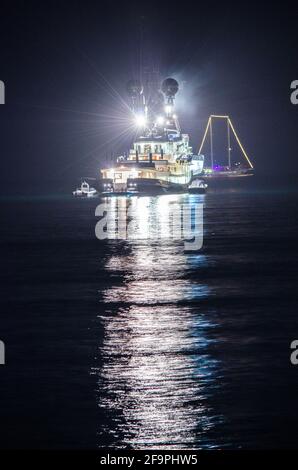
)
(230, 128)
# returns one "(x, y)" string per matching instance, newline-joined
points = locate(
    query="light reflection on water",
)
(156, 371)
(152, 218)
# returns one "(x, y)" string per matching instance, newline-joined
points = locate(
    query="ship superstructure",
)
(161, 158)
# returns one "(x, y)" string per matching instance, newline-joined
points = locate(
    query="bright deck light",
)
(140, 120)
(168, 109)
(160, 120)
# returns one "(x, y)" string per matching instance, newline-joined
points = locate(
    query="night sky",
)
(66, 64)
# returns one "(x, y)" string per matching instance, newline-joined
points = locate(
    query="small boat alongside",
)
(85, 191)
(198, 186)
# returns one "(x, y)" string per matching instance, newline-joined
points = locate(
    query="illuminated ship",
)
(161, 159)
(217, 172)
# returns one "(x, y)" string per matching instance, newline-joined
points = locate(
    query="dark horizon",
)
(60, 117)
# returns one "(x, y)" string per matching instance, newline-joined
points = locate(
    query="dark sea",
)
(140, 344)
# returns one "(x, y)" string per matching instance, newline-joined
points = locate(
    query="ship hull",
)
(142, 186)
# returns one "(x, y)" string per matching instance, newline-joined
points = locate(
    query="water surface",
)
(135, 343)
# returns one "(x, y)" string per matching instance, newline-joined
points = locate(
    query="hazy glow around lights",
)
(160, 120)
